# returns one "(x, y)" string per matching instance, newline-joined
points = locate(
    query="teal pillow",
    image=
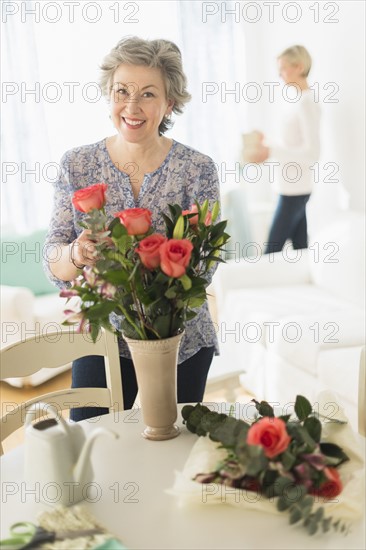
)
(21, 263)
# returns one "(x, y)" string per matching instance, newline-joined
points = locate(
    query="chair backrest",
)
(362, 395)
(54, 350)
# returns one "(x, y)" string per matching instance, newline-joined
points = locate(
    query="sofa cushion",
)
(337, 258)
(338, 371)
(265, 316)
(49, 311)
(21, 263)
(300, 339)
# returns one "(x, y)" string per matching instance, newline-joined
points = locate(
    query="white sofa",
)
(294, 321)
(23, 313)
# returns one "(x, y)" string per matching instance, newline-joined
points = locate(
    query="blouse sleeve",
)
(62, 227)
(308, 152)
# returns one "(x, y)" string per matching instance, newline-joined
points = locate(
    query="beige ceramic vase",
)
(155, 363)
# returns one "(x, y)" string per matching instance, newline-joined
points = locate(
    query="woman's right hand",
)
(83, 251)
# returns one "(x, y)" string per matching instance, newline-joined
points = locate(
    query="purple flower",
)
(77, 317)
(205, 478)
(315, 460)
(107, 290)
(68, 293)
(303, 474)
(90, 276)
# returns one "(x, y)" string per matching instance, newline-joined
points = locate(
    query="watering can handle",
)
(49, 408)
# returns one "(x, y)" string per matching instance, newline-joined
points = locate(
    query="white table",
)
(131, 475)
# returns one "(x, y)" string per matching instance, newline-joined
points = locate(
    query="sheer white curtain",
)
(214, 58)
(25, 144)
(62, 59)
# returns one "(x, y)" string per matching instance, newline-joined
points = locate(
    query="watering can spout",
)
(81, 465)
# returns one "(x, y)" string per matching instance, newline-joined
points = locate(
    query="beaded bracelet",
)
(72, 256)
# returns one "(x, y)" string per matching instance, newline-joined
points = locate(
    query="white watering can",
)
(57, 458)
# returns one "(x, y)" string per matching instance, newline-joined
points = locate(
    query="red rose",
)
(271, 434)
(331, 487)
(194, 219)
(175, 255)
(89, 198)
(148, 250)
(136, 220)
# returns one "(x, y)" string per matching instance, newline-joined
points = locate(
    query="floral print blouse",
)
(184, 175)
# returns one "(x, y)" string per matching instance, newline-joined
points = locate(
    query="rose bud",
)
(136, 220)
(90, 198)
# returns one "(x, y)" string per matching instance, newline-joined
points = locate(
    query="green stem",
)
(138, 309)
(132, 323)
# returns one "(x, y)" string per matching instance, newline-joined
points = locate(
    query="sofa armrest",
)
(277, 269)
(17, 311)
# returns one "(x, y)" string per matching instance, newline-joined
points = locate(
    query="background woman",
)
(144, 83)
(299, 150)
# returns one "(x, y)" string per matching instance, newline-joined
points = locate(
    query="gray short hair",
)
(161, 54)
(298, 54)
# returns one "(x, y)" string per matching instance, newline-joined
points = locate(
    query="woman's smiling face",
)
(138, 102)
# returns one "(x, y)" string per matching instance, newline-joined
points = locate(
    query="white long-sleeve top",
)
(298, 147)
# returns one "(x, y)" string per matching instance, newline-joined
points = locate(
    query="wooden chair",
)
(53, 350)
(362, 395)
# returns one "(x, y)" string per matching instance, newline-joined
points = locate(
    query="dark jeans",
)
(289, 222)
(89, 372)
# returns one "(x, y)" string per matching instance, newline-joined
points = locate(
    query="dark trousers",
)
(89, 372)
(289, 222)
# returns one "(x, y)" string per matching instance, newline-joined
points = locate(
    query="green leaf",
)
(203, 211)
(295, 492)
(326, 524)
(332, 450)
(265, 409)
(186, 282)
(288, 460)
(319, 514)
(119, 277)
(215, 210)
(94, 331)
(300, 434)
(312, 527)
(101, 310)
(170, 293)
(162, 325)
(302, 407)
(295, 515)
(179, 228)
(117, 229)
(283, 504)
(218, 230)
(280, 485)
(196, 302)
(314, 427)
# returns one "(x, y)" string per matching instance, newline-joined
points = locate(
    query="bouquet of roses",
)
(280, 458)
(154, 282)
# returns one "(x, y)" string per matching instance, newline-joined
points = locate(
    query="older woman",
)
(144, 84)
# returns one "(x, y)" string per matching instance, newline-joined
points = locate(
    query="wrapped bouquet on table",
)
(310, 468)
